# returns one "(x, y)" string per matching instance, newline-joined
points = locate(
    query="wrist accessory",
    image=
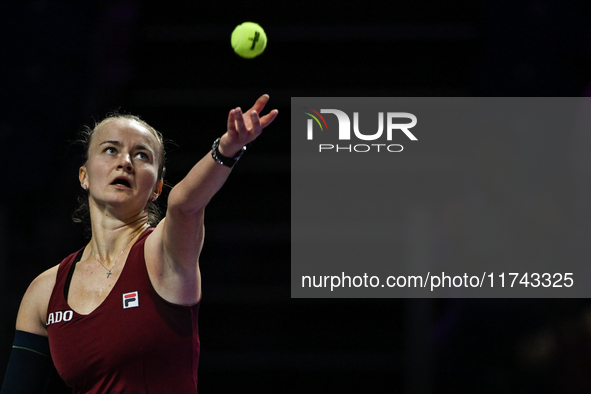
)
(223, 160)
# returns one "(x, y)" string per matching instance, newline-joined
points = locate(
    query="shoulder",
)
(33, 308)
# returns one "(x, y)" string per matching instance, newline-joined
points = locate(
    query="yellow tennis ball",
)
(249, 40)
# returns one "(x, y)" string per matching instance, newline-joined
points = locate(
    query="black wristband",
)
(223, 160)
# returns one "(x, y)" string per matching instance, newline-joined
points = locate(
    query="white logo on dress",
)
(56, 317)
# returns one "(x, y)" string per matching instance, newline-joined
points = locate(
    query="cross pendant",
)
(108, 273)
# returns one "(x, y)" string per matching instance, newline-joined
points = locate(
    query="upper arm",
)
(172, 257)
(33, 309)
(173, 248)
(178, 239)
(182, 235)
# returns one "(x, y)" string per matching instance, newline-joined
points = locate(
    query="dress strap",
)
(70, 273)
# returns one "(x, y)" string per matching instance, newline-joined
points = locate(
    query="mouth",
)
(121, 182)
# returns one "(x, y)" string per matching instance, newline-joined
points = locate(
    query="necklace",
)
(120, 253)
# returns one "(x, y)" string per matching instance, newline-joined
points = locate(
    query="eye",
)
(142, 156)
(110, 150)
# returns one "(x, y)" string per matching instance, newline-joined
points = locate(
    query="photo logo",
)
(394, 123)
(317, 121)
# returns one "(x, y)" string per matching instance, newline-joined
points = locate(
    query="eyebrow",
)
(117, 143)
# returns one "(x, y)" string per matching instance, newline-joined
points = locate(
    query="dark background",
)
(65, 64)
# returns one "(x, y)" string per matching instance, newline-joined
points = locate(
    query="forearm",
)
(203, 181)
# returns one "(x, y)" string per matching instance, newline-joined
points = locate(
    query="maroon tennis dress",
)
(134, 342)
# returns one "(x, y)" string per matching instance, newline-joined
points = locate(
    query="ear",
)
(157, 190)
(83, 177)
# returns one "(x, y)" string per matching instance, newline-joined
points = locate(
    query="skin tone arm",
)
(172, 250)
(33, 309)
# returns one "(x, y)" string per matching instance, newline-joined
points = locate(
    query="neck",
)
(113, 226)
(107, 244)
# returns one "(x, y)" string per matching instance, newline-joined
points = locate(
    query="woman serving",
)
(120, 315)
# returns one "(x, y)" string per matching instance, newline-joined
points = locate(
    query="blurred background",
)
(65, 64)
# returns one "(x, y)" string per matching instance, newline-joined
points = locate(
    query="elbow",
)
(181, 205)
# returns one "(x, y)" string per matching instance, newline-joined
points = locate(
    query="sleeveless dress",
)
(134, 342)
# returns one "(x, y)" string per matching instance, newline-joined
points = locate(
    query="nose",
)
(125, 162)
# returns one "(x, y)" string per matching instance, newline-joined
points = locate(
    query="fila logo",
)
(131, 300)
(56, 317)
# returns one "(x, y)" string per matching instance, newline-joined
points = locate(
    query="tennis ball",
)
(249, 40)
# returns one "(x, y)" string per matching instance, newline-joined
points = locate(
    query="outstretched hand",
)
(245, 128)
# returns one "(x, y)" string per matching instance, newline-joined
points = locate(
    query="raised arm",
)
(173, 249)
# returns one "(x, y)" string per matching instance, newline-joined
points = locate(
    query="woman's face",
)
(122, 165)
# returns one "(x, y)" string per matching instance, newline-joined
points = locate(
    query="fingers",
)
(256, 123)
(236, 121)
(259, 105)
(267, 119)
(239, 119)
(250, 124)
(232, 121)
